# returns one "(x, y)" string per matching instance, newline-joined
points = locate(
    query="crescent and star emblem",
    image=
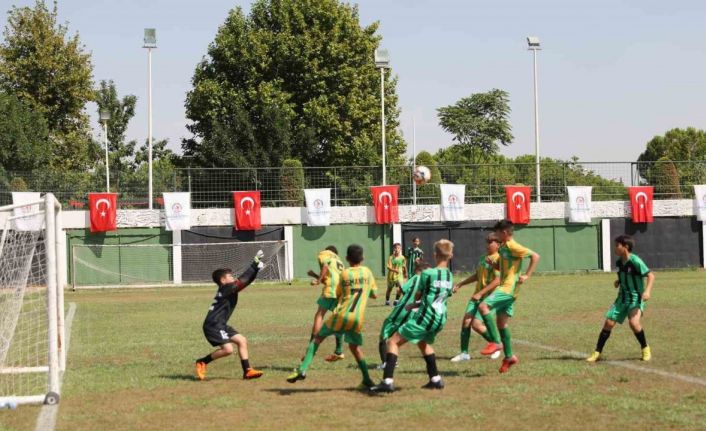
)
(389, 199)
(518, 205)
(107, 206)
(242, 204)
(637, 199)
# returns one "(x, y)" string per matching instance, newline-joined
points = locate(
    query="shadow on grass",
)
(561, 358)
(191, 377)
(294, 391)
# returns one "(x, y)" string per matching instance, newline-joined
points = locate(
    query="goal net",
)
(148, 265)
(31, 304)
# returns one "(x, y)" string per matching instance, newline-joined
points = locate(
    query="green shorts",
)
(414, 332)
(501, 302)
(619, 311)
(472, 309)
(350, 337)
(327, 303)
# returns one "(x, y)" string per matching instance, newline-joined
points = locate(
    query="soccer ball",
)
(421, 175)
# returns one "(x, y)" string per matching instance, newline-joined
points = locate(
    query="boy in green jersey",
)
(436, 285)
(484, 275)
(633, 293)
(508, 287)
(414, 254)
(396, 273)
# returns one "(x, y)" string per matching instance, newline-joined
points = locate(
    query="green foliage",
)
(684, 149)
(479, 123)
(665, 179)
(17, 184)
(293, 80)
(292, 182)
(51, 73)
(24, 136)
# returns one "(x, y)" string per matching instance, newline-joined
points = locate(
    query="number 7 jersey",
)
(355, 286)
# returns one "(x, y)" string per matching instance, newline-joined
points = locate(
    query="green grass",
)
(130, 365)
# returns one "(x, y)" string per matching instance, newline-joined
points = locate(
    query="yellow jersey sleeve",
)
(518, 250)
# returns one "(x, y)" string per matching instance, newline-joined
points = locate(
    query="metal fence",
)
(212, 187)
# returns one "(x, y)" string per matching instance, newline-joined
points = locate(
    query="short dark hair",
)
(354, 254)
(492, 237)
(416, 238)
(396, 244)
(220, 273)
(504, 225)
(332, 248)
(626, 241)
(422, 265)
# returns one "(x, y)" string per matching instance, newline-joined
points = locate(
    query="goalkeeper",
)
(216, 328)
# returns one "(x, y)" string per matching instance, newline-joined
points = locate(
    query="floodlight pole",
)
(534, 47)
(382, 116)
(149, 124)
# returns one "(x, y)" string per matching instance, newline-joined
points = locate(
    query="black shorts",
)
(219, 336)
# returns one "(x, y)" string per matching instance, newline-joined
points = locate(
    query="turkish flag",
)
(385, 201)
(103, 212)
(247, 210)
(518, 204)
(641, 204)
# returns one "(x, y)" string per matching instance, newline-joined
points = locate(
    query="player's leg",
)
(327, 304)
(613, 316)
(362, 365)
(490, 323)
(311, 349)
(398, 291)
(393, 349)
(465, 338)
(510, 359)
(634, 317)
(202, 363)
(390, 286)
(435, 381)
(242, 344)
(318, 321)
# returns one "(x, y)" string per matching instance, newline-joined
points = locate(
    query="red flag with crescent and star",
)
(385, 201)
(641, 204)
(518, 204)
(103, 211)
(247, 210)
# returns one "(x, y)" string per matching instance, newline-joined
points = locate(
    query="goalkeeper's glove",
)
(256, 260)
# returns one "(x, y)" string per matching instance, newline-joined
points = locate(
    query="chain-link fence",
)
(212, 187)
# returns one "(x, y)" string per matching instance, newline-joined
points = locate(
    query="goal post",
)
(154, 265)
(31, 302)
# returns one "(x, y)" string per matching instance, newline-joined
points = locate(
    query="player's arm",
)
(404, 268)
(312, 274)
(389, 265)
(320, 278)
(534, 260)
(468, 280)
(249, 275)
(486, 290)
(648, 288)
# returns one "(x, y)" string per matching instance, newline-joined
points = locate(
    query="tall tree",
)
(121, 112)
(685, 149)
(294, 79)
(23, 136)
(52, 73)
(479, 123)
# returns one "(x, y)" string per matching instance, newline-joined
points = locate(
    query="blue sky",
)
(612, 74)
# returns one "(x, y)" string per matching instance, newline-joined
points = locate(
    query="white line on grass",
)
(46, 421)
(579, 355)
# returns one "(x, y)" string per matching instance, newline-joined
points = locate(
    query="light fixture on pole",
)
(150, 41)
(382, 62)
(104, 118)
(533, 45)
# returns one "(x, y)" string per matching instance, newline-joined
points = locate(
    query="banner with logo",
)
(452, 201)
(247, 210)
(641, 204)
(30, 223)
(318, 207)
(385, 201)
(518, 204)
(700, 198)
(579, 204)
(177, 210)
(103, 211)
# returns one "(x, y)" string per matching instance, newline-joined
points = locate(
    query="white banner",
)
(318, 207)
(32, 223)
(700, 202)
(579, 204)
(177, 210)
(452, 200)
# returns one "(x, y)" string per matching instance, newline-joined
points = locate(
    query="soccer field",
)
(132, 352)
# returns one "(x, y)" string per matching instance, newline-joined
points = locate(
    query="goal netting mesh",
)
(24, 305)
(117, 265)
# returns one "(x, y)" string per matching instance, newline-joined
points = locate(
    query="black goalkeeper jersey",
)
(222, 306)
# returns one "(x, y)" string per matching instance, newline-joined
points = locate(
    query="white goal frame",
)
(50, 212)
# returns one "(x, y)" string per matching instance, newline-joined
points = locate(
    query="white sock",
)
(388, 381)
(436, 379)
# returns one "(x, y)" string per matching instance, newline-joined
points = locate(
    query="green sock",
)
(364, 371)
(486, 335)
(489, 321)
(465, 339)
(339, 344)
(310, 352)
(507, 343)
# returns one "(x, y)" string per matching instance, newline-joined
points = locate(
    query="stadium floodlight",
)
(150, 41)
(104, 118)
(533, 45)
(382, 62)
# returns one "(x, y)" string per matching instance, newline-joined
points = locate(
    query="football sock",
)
(364, 370)
(465, 339)
(245, 363)
(486, 335)
(206, 359)
(390, 364)
(310, 352)
(492, 327)
(398, 295)
(387, 295)
(431, 365)
(382, 349)
(641, 338)
(507, 342)
(339, 344)
(602, 338)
